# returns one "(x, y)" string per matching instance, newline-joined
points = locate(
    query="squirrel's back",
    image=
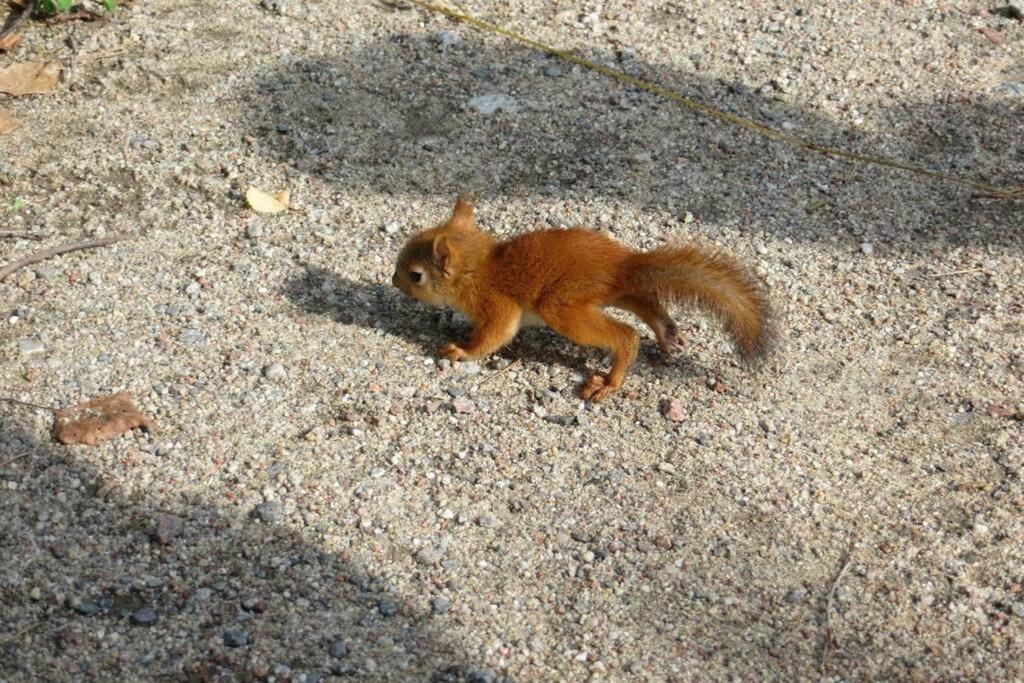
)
(571, 264)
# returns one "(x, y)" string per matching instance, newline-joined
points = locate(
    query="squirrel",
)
(563, 278)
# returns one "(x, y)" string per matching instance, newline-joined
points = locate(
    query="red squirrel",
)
(564, 278)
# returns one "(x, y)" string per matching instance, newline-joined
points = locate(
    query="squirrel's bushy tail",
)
(690, 274)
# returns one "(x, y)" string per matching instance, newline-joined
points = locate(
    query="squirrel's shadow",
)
(380, 307)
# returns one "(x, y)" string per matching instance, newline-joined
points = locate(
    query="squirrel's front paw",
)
(452, 352)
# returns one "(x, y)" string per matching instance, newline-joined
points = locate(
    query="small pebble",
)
(488, 521)
(674, 410)
(339, 649)
(190, 337)
(270, 512)
(481, 676)
(462, 405)
(30, 347)
(440, 604)
(490, 104)
(469, 368)
(144, 617)
(867, 248)
(387, 608)
(429, 555)
(275, 372)
(235, 637)
(447, 39)
(89, 609)
(168, 527)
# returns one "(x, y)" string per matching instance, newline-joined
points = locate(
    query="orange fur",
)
(566, 278)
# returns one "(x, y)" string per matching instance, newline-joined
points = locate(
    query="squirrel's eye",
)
(415, 276)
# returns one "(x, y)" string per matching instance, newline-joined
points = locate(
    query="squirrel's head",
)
(432, 262)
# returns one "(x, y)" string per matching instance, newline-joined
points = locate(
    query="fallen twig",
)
(830, 636)
(1016, 194)
(14, 459)
(108, 54)
(957, 272)
(55, 251)
(15, 234)
(20, 18)
(27, 404)
(500, 372)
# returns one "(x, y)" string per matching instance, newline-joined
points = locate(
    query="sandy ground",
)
(325, 498)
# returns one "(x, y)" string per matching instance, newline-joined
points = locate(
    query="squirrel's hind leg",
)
(654, 315)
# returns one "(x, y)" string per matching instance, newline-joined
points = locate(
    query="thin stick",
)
(55, 251)
(830, 637)
(14, 459)
(27, 404)
(19, 19)
(500, 372)
(957, 272)
(15, 234)
(103, 55)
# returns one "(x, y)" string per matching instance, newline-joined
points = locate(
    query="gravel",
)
(144, 617)
(490, 104)
(324, 463)
(236, 638)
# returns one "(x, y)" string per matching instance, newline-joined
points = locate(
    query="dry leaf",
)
(98, 420)
(9, 42)
(29, 78)
(7, 122)
(261, 202)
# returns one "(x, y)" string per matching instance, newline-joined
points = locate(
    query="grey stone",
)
(429, 555)
(46, 273)
(491, 104)
(235, 637)
(88, 609)
(144, 617)
(488, 521)
(271, 512)
(469, 368)
(440, 604)
(190, 337)
(447, 39)
(30, 347)
(168, 527)
(387, 608)
(275, 372)
(339, 649)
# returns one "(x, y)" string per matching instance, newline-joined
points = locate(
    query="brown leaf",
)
(994, 37)
(29, 78)
(9, 42)
(99, 419)
(7, 122)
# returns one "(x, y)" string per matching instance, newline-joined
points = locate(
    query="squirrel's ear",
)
(443, 254)
(462, 216)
